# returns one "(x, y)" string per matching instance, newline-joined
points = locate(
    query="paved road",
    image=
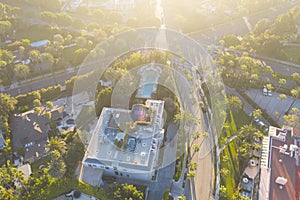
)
(273, 104)
(199, 189)
(165, 174)
(36, 85)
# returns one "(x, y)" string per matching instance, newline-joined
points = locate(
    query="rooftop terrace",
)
(118, 140)
(280, 161)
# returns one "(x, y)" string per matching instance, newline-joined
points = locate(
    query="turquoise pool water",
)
(39, 43)
(147, 90)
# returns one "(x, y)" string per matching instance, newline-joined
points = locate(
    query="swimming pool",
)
(39, 43)
(148, 89)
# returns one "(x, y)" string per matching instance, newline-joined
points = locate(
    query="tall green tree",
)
(231, 40)
(234, 103)
(48, 17)
(103, 99)
(7, 105)
(58, 144)
(126, 191)
(284, 25)
(34, 56)
(47, 59)
(295, 93)
(63, 19)
(5, 28)
(56, 167)
(21, 71)
(9, 177)
(261, 26)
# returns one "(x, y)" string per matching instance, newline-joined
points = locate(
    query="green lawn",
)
(240, 118)
(229, 181)
(235, 121)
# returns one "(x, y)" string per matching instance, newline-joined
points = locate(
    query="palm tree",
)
(56, 167)
(281, 98)
(204, 135)
(257, 113)
(196, 136)
(281, 82)
(234, 102)
(296, 78)
(3, 67)
(56, 143)
(191, 174)
(292, 119)
(49, 105)
(224, 172)
(48, 60)
(249, 133)
(192, 165)
(223, 192)
(196, 148)
(34, 56)
(295, 93)
(238, 196)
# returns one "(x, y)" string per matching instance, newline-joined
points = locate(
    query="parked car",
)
(270, 93)
(260, 124)
(265, 91)
(256, 120)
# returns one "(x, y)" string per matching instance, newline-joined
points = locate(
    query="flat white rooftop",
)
(127, 138)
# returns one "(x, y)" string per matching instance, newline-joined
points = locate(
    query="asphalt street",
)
(43, 83)
(273, 104)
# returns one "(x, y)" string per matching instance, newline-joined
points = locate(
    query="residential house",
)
(30, 132)
(280, 169)
(126, 143)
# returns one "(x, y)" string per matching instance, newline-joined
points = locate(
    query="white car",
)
(265, 91)
(256, 119)
(261, 124)
(270, 93)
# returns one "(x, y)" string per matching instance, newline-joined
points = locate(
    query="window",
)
(116, 173)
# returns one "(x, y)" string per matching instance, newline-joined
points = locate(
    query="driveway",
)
(165, 174)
